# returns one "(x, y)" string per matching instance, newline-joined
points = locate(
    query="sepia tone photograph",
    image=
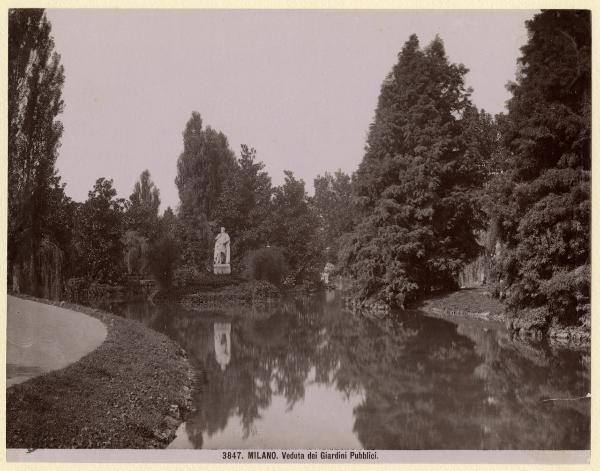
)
(244, 236)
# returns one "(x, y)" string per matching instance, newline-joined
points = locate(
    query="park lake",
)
(305, 373)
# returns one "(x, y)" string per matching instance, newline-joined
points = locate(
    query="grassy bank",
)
(129, 393)
(229, 296)
(473, 303)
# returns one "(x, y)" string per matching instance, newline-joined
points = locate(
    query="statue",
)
(222, 253)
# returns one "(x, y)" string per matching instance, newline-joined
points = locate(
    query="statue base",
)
(222, 269)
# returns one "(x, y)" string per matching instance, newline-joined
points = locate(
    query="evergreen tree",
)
(414, 186)
(202, 170)
(542, 201)
(35, 81)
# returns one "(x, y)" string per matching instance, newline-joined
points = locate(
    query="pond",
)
(304, 373)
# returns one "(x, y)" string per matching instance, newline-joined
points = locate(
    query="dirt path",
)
(42, 338)
(131, 392)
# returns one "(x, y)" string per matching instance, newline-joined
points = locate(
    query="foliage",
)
(267, 263)
(141, 224)
(333, 204)
(136, 252)
(244, 204)
(292, 225)
(415, 184)
(98, 237)
(35, 81)
(142, 210)
(202, 169)
(187, 275)
(542, 201)
(230, 296)
(164, 252)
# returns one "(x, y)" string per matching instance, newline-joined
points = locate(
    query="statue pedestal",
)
(222, 269)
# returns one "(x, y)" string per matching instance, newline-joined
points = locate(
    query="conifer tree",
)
(542, 201)
(414, 185)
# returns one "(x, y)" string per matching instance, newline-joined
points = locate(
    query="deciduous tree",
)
(35, 81)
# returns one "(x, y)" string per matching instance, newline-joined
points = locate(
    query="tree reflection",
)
(427, 383)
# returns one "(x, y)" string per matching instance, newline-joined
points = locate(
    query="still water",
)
(304, 373)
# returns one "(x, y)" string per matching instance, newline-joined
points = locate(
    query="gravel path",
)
(131, 392)
(42, 338)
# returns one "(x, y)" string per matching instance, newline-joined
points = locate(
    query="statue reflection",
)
(222, 343)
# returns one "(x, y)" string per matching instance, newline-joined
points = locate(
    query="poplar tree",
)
(35, 81)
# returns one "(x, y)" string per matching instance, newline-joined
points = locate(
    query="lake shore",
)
(472, 303)
(477, 303)
(131, 392)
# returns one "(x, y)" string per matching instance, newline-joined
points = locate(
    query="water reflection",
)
(222, 343)
(305, 374)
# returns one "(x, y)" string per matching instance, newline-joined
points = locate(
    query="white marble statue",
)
(222, 248)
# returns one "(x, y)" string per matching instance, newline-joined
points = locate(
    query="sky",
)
(299, 86)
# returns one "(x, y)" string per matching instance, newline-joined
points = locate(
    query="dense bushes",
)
(541, 200)
(267, 264)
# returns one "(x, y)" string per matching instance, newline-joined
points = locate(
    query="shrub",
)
(186, 275)
(266, 264)
(568, 293)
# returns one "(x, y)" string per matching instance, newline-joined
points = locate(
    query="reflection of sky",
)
(325, 413)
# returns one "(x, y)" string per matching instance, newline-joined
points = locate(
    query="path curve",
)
(42, 337)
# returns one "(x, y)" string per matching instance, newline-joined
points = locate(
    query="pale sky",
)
(299, 86)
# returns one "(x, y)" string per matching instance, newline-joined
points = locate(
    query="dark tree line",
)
(440, 184)
(540, 205)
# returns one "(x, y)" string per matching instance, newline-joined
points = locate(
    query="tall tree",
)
(202, 170)
(414, 184)
(142, 211)
(141, 223)
(333, 205)
(292, 225)
(99, 234)
(542, 201)
(164, 250)
(35, 81)
(244, 203)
